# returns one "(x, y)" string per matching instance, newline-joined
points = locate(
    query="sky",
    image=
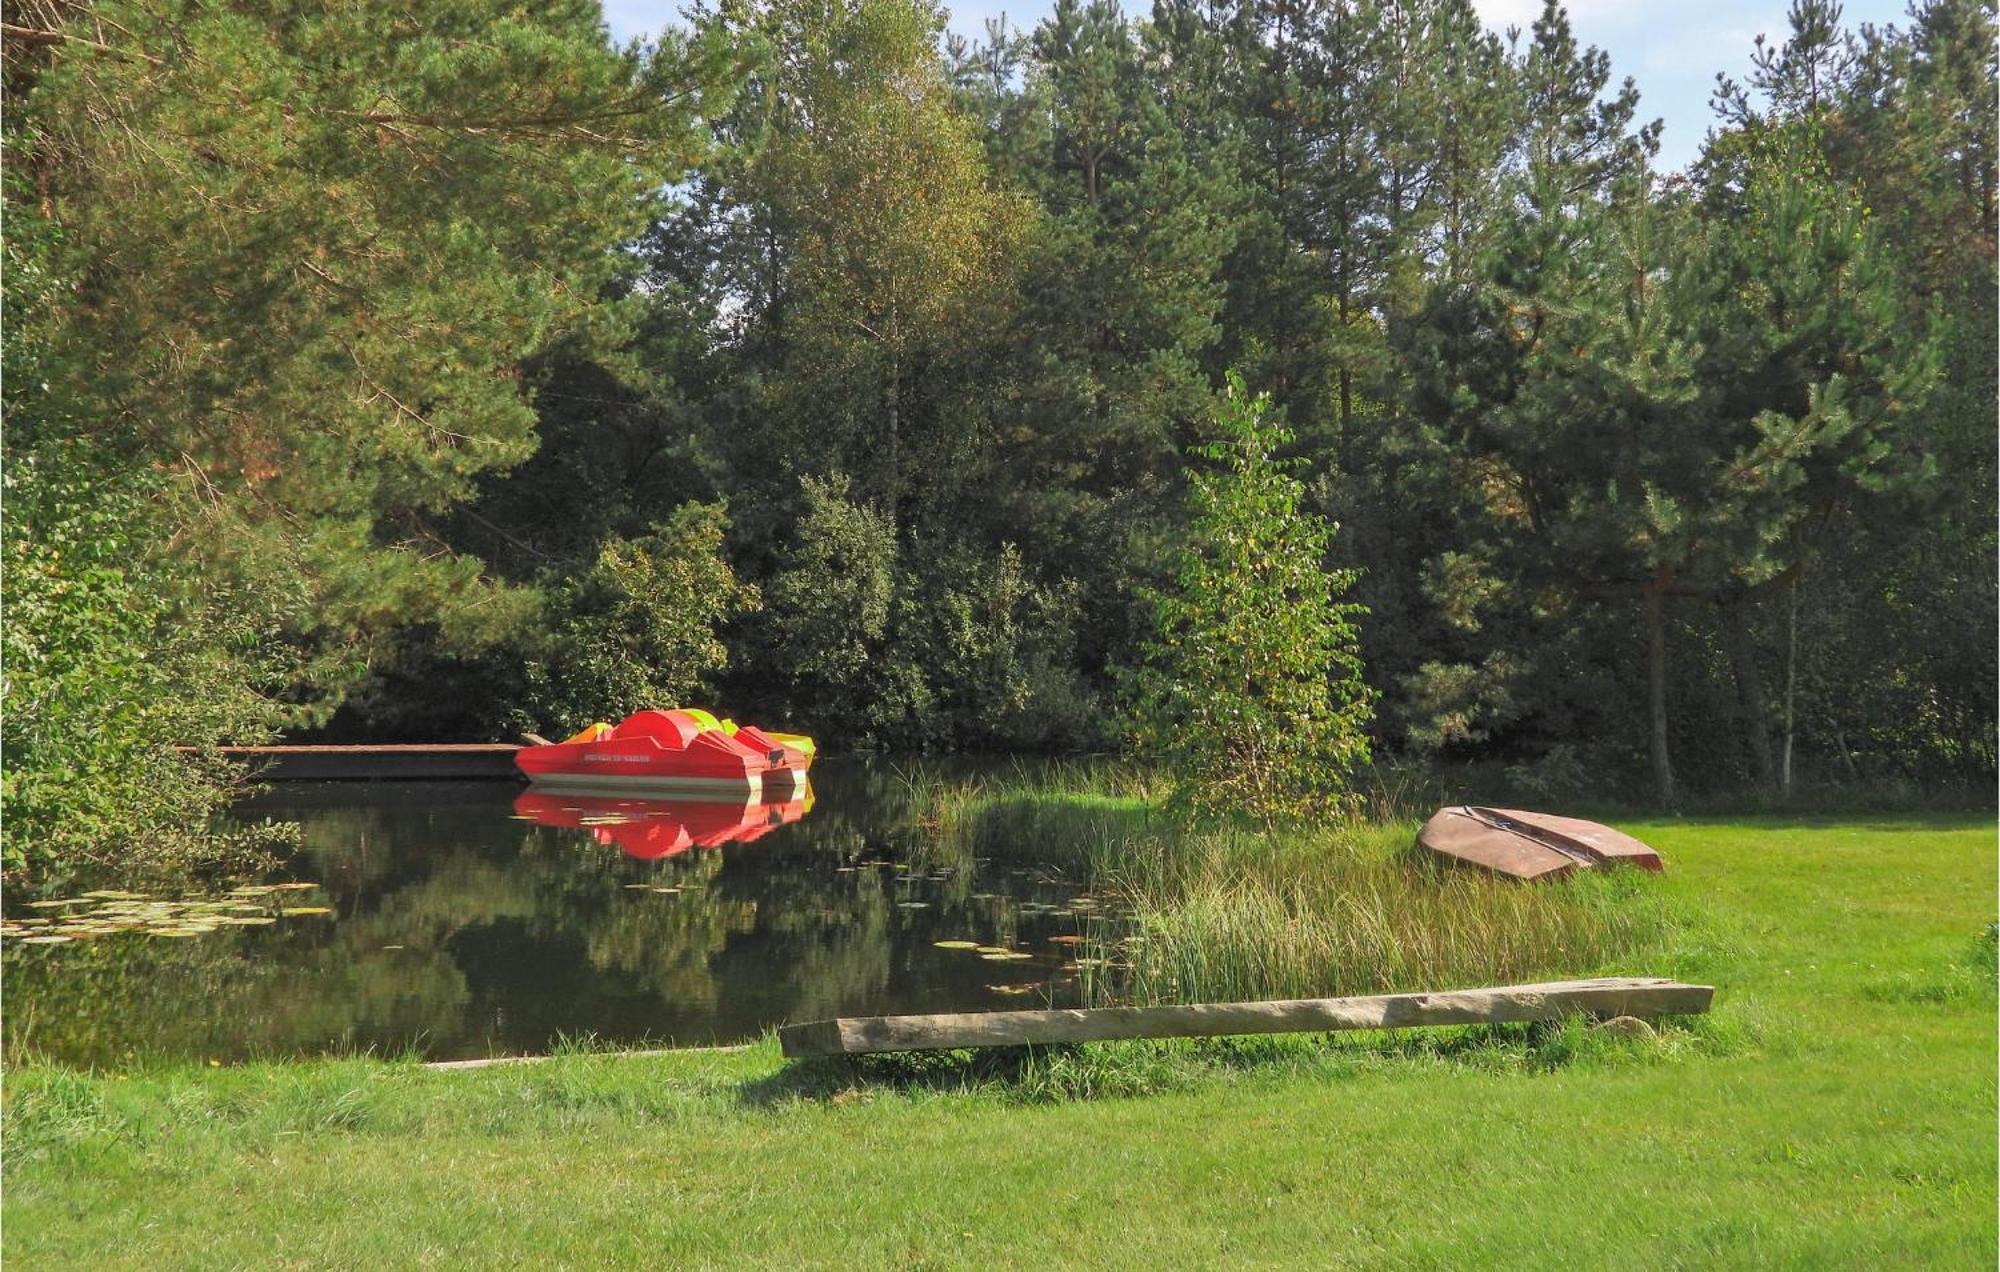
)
(1673, 48)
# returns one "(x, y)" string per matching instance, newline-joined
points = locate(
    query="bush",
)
(949, 645)
(115, 653)
(1253, 689)
(636, 630)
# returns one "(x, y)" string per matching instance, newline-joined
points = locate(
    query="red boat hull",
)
(1528, 845)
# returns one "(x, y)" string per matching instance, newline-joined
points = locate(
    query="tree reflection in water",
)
(473, 919)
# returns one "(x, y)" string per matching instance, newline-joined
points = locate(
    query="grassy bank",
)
(1838, 1110)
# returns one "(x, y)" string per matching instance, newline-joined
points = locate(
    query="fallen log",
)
(1614, 996)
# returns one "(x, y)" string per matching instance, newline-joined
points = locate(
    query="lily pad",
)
(296, 910)
(913, 905)
(293, 887)
(245, 921)
(956, 945)
(45, 940)
(994, 949)
(1065, 940)
(1011, 956)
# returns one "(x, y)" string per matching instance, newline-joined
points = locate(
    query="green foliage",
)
(638, 629)
(830, 603)
(1218, 915)
(1253, 691)
(955, 647)
(308, 255)
(878, 233)
(334, 283)
(108, 669)
(277, 271)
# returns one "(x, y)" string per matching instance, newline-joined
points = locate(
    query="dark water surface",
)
(474, 918)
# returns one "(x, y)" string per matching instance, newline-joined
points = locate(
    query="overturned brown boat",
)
(1524, 845)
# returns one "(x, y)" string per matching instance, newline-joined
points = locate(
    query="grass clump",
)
(1224, 915)
(1972, 977)
(1222, 912)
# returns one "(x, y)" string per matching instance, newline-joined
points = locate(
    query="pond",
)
(472, 918)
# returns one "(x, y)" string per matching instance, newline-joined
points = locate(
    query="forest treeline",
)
(433, 371)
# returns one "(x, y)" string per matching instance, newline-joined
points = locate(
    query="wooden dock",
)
(455, 761)
(1552, 1000)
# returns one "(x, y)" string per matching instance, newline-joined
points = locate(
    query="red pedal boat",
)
(666, 752)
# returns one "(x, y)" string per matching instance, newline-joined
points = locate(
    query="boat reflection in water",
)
(652, 829)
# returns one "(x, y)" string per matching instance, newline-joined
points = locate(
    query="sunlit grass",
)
(1835, 1110)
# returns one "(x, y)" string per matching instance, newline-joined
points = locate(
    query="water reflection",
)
(649, 829)
(473, 919)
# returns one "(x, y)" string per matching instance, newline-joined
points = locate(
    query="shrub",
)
(1252, 689)
(115, 653)
(638, 629)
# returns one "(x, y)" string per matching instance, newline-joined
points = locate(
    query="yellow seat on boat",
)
(590, 733)
(798, 742)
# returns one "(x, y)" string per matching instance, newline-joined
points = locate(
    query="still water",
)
(472, 918)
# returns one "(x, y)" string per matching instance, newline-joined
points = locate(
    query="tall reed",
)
(1314, 914)
(1228, 913)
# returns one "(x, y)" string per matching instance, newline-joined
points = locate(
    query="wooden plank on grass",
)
(1552, 1000)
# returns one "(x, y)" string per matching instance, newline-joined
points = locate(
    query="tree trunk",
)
(1846, 756)
(1656, 695)
(1791, 694)
(1750, 692)
(891, 463)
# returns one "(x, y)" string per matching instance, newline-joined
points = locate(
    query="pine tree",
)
(302, 262)
(1120, 296)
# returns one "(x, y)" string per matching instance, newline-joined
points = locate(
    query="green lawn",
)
(1838, 1110)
